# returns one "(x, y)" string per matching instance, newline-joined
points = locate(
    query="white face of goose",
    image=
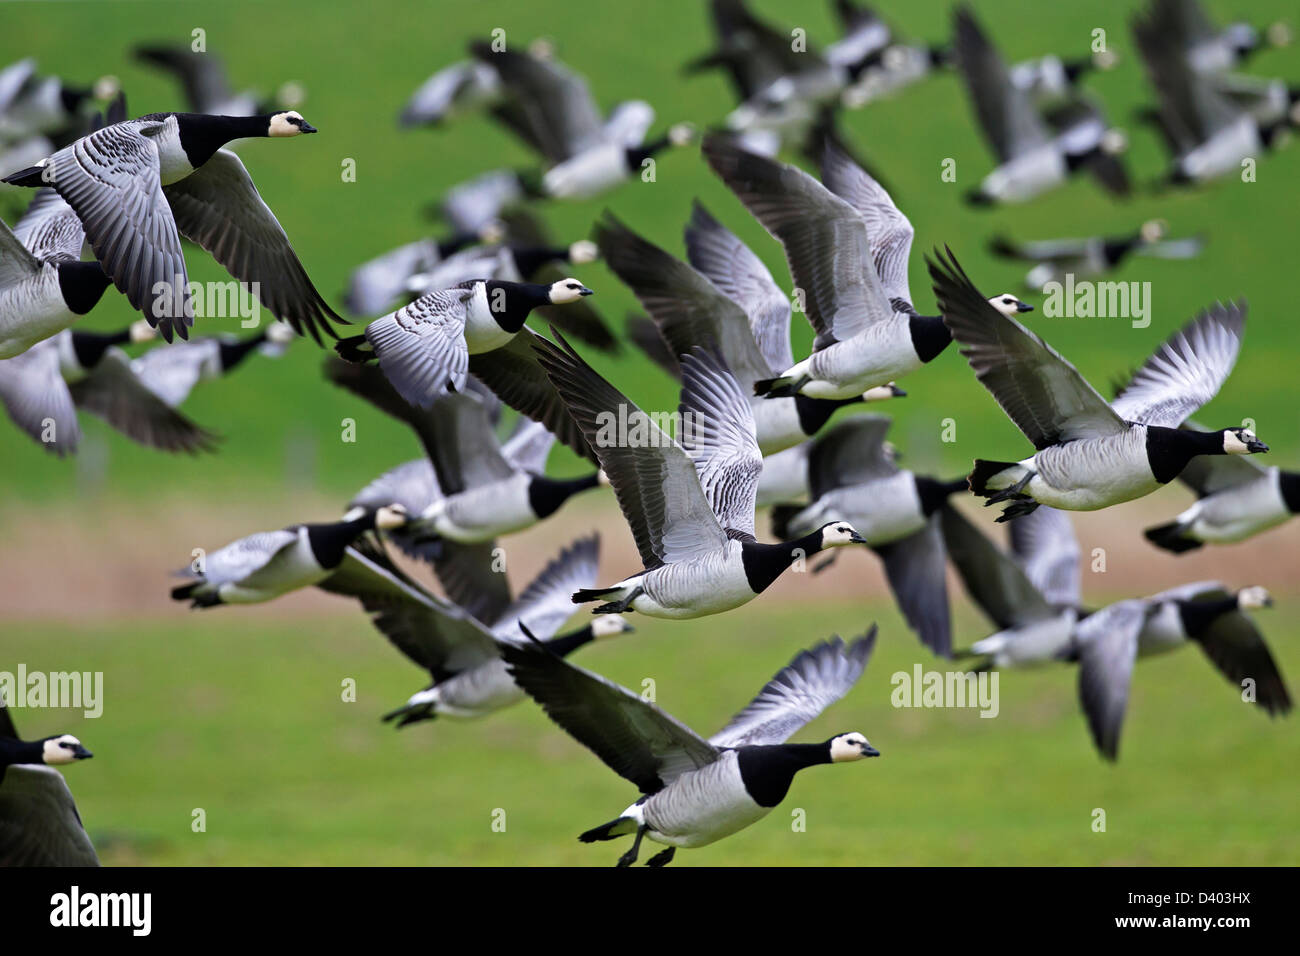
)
(289, 123)
(63, 750)
(391, 516)
(1009, 305)
(1242, 441)
(852, 746)
(281, 333)
(1252, 599)
(610, 625)
(142, 331)
(882, 392)
(1153, 230)
(583, 251)
(837, 534)
(566, 291)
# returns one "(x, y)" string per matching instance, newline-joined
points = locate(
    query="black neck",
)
(1114, 250)
(764, 563)
(528, 259)
(815, 412)
(566, 644)
(14, 751)
(329, 541)
(934, 494)
(1289, 484)
(1170, 449)
(511, 302)
(1197, 616)
(545, 495)
(202, 135)
(929, 336)
(89, 347)
(82, 284)
(636, 155)
(768, 771)
(232, 353)
(455, 244)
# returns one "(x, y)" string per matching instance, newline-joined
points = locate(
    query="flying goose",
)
(1034, 153)
(847, 245)
(852, 477)
(742, 315)
(461, 649)
(1031, 595)
(44, 285)
(1237, 499)
(1091, 454)
(480, 489)
(172, 371)
(265, 565)
(138, 185)
(39, 823)
(1055, 259)
(203, 78)
(1109, 642)
(377, 283)
(690, 501)
(33, 105)
(698, 791)
(459, 88)
(1203, 46)
(424, 348)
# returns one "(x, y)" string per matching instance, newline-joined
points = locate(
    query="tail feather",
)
(183, 592)
(355, 348)
(623, 826)
(775, 388)
(983, 471)
(30, 177)
(1172, 537)
(584, 595)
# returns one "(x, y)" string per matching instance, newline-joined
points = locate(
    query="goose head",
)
(63, 749)
(583, 251)
(1114, 141)
(850, 746)
(281, 333)
(882, 392)
(566, 291)
(288, 123)
(1009, 305)
(391, 516)
(142, 331)
(610, 625)
(837, 534)
(1153, 230)
(1241, 441)
(682, 134)
(1254, 598)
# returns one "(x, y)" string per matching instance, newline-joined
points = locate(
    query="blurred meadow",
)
(239, 712)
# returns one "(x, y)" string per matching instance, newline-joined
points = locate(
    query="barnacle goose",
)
(698, 791)
(847, 245)
(138, 185)
(172, 371)
(1055, 259)
(1091, 454)
(39, 823)
(690, 501)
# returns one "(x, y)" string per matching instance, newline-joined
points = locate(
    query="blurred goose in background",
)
(741, 314)
(460, 88)
(462, 650)
(689, 502)
(847, 246)
(268, 564)
(852, 477)
(206, 85)
(39, 823)
(172, 371)
(1054, 259)
(1032, 595)
(424, 348)
(33, 106)
(698, 791)
(377, 283)
(1091, 454)
(138, 185)
(1035, 152)
(1204, 47)
(1237, 498)
(1109, 642)
(44, 285)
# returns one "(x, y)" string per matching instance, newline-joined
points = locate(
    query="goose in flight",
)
(1091, 454)
(1055, 259)
(172, 371)
(462, 650)
(39, 823)
(852, 477)
(1236, 499)
(733, 308)
(847, 246)
(139, 185)
(697, 791)
(689, 501)
(1204, 47)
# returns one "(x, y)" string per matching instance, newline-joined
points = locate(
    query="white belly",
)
(32, 312)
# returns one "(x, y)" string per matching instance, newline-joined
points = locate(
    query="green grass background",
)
(239, 712)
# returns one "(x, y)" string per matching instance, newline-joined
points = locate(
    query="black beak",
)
(869, 751)
(81, 753)
(1256, 447)
(1024, 307)
(897, 392)
(307, 127)
(585, 291)
(857, 538)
